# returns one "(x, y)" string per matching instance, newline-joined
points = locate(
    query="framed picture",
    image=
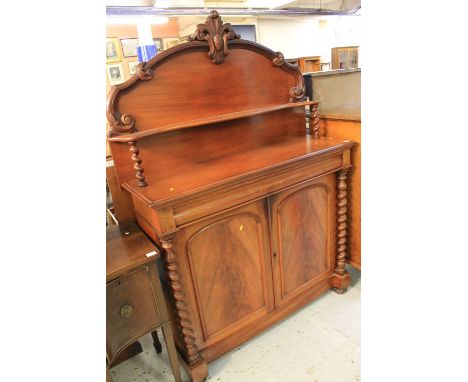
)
(170, 42)
(115, 74)
(132, 66)
(159, 44)
(129, 47)
(113, 51)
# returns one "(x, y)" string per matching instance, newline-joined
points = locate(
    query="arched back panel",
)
(214, 75)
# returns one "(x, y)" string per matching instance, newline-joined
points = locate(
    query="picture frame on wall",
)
(170, 42)
(115, 74)
(129, 47)
(159, 44)
(132, 66)
(113, 50)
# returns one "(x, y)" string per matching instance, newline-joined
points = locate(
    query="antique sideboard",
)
(247, 204)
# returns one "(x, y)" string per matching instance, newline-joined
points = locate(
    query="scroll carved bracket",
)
(296, 94)
(144, 73)
(123, 125)
(279, 59)
(217, 34)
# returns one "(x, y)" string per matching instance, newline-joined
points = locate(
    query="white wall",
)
(293, 37)
(339, 31)
(309, 36)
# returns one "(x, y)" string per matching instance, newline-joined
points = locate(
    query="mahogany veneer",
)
(248, 205)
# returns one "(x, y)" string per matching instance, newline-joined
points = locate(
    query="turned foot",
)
(340, 282)
(198, 372)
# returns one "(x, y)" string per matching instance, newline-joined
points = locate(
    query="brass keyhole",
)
(126, 310)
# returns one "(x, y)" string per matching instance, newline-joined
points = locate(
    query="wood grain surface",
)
(344, 123)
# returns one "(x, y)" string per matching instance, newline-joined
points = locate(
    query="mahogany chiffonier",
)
(247, 204)
(134, 297)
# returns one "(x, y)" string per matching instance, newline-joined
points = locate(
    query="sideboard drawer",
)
(131, 310)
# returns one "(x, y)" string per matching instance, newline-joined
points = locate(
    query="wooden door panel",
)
(302, 218)
(302, 234)
(231, 273)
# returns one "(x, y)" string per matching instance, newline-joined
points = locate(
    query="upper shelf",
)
(205, 121)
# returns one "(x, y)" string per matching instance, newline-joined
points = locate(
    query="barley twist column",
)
(181, 309)
(341, 228)
(137, 165)
(315, 121)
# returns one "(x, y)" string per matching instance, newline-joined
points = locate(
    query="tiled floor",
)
(319, 343)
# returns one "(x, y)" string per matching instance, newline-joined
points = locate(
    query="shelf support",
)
(315, 129)
(137, 165)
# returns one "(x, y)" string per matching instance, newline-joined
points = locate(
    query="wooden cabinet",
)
(247, 204)
(345, 57)
(307, 64)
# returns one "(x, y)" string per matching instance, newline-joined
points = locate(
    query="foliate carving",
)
(315, 118)
(137, 165)
(217, 34)
(182, 314)
(342, 218)
(296, 94)
(278, 60)
(144, 73)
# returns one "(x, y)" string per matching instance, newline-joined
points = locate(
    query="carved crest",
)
(217, 34)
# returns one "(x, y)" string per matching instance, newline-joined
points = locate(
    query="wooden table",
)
(135, 302)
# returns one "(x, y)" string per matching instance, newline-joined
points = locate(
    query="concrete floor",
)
(319, 343)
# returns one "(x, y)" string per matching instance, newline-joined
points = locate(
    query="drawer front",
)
(131, 310)
(254, 189)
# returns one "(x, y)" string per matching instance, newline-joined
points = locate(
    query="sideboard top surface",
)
(127, 247)
(199, 177)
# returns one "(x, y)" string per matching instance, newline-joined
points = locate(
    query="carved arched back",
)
(182, 83)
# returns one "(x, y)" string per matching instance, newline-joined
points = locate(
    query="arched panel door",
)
(230, 267)
(302, 236)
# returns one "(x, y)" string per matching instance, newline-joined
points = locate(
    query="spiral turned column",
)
(314, 127)
(341, 228)
(182, 313)
(137, 165)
